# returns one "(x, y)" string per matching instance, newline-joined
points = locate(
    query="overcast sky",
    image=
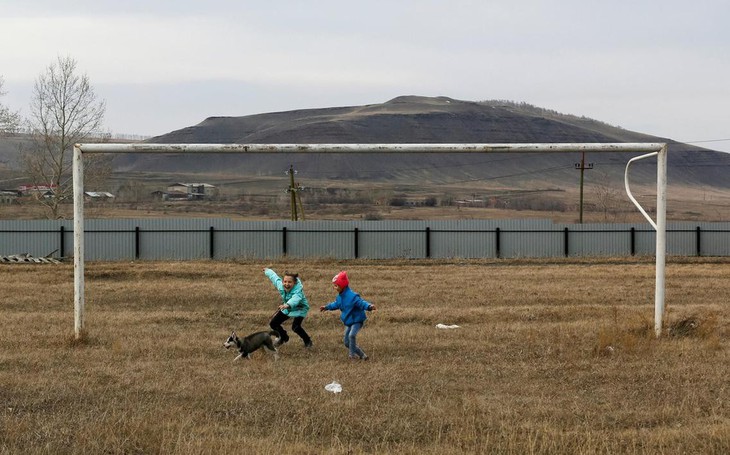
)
(656, 67)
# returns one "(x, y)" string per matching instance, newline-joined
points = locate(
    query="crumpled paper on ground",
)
(333, 387)
(444, 326)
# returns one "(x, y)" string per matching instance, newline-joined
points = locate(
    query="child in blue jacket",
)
(352, 308)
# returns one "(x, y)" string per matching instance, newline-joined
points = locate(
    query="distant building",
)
(8, 196)
(470, 202)
(37, 190)
(190, 191)
(98, 196)
(176, 196)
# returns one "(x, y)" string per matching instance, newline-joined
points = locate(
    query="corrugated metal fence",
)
(181, 239)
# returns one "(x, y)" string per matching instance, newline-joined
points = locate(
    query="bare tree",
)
(64, 110)
(608, 198)
(9, 120)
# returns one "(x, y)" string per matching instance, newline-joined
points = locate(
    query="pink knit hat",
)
(341, 279)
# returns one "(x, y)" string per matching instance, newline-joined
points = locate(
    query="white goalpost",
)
(648, 149)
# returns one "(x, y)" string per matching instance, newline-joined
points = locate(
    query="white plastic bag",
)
(444, 326)
(333, 387)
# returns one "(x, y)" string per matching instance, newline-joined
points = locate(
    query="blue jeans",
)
(351, 339)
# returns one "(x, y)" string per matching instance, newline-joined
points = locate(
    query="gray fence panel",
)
(545, 238)
(714, 239)
(248, 244)
(174, 245)
(106, 245)
(332, 244)
(68, 242)
(645, 241)
(38, 239)
(462, 238)
(682, 243)
(252, 239)
(107, 240)
(454, 244)
(389, 245)
(598, 242)
(38, 244)
(533, 244)
(607, 239)
(169, 240)
(715, 243)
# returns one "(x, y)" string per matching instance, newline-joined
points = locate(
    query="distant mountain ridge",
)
(418, 119)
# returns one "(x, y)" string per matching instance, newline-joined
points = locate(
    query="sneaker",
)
(364, 356)
(354, 357)
(308, 345)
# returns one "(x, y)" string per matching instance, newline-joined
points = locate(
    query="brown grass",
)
(552, 357)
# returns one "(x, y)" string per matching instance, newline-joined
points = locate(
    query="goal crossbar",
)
(650, 149)
(371, 148)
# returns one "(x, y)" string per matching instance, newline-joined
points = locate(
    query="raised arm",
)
(274, 278)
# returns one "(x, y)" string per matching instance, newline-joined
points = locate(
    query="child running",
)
(294, 305)
(352, 308)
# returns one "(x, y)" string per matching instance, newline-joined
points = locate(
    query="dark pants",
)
(296, 326)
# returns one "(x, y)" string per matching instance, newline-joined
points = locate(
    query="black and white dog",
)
(252, 342)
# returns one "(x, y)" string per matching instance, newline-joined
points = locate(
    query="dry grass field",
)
(552, 357)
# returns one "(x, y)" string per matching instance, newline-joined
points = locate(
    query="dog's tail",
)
(274, 333)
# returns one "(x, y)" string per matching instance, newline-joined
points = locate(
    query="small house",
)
(8, 196)
(98, 196)
(193, 191)
(38, 191)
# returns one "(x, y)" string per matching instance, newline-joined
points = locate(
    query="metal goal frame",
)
(660, 150)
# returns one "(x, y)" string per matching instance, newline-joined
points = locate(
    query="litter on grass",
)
(333, 387)
(444, 326)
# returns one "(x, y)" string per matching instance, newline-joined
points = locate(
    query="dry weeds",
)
(551, 357)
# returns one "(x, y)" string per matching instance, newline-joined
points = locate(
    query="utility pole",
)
(582, 166)
(294, 189)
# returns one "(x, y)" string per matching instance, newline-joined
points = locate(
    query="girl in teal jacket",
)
(294, 305)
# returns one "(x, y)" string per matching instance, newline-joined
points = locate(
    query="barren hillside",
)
(412, 119)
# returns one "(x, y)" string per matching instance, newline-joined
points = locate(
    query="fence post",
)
(496, 235)
(357, 247)
(428, 242)
(62, 247)
(283, 240)
(699, 243)
(136, 242)
(633, 241)
(565, 242)
(212, 243)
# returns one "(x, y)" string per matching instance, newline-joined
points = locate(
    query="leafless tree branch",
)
(64, 111)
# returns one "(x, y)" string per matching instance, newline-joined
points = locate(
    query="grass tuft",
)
(81, 341)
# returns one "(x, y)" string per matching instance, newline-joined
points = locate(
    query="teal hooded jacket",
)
(298, 305)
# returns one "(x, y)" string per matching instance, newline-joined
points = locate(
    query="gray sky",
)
(657, 67)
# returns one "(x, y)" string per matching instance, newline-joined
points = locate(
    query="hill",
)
(493, 185)
(414, 119)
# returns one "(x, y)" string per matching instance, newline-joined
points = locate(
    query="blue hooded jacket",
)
(298, 305)
(351, 305)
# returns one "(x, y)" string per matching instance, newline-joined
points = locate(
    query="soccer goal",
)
(648, 149)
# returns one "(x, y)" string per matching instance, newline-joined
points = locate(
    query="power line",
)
(707, 140)
(435, 167)
(476, 179)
